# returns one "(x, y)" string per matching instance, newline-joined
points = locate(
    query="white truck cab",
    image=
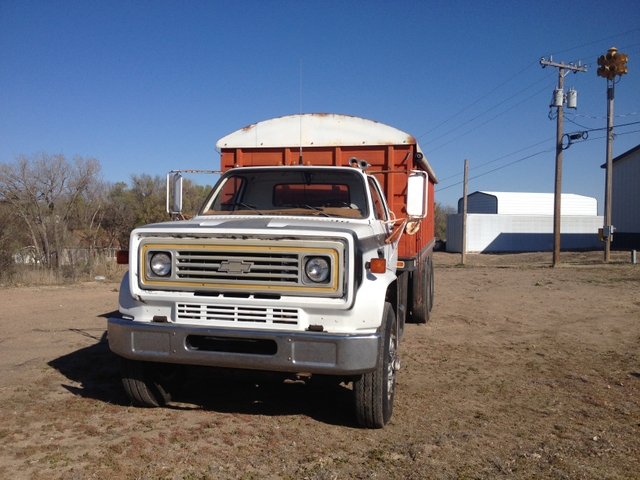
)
(289, 268)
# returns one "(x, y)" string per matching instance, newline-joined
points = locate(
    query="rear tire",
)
(150, 384)
(423, 289)
(374, 391)
(431, 284)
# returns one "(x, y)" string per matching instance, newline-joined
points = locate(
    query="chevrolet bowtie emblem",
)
(235, 266)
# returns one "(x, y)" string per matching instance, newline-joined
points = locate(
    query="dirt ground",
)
(523, 371)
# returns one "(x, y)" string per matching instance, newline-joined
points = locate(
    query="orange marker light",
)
(378, 265)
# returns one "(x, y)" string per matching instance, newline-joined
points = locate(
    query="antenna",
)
(300, 143)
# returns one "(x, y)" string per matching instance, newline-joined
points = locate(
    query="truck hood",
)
(262, 225)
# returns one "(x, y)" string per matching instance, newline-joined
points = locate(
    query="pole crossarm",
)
(565, 66)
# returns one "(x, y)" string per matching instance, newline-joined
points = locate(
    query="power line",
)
(500, 168)
(622, 47)
(489, 120)
(496, 106)
(604, 136)
(500, 158)
(528, 156)
(488, 110)
(627, 133)
(598, 41)
(606, 128)
(507, 81)
(601, 118)
(595, 55)
(575, 123)
(477, 101)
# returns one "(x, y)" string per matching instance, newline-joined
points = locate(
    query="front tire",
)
(149, 384)
(374, 391)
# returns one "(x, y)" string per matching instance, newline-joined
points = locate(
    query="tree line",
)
(51, 207)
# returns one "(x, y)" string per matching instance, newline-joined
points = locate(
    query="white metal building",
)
(522, 221)
(625, 200)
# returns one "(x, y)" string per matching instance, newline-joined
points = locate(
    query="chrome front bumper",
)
(310, 352)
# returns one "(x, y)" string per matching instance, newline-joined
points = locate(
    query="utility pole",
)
(611, 65)
(464, 212)
(558, 101)
(608, 187)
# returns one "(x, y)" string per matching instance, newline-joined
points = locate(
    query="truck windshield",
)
(289, 191)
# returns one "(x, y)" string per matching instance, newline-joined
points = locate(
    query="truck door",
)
(382, 215)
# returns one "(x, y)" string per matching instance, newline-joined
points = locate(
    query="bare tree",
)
(58, 206)
(441, 212)
(13, 241)
(44, 192)
(142, 203)
(120, 215)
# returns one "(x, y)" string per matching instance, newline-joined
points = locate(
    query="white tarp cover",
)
(315, 129)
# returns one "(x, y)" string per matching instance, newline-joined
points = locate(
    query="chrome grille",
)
(246, 266)
(267, 315)
(231, 266)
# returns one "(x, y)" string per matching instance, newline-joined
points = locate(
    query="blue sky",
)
(150, 86)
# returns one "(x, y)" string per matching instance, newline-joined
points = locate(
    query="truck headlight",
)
(317, 269)
(161, 264)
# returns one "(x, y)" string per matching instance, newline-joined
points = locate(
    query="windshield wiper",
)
(248, 207)
(314, 208)
(304, 205)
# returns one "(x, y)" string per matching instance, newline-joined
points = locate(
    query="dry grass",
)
(20, 275)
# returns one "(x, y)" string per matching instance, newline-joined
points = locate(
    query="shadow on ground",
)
(95, 369)
(326, 399)
(323, 398)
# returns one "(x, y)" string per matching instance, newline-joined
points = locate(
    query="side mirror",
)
(417, 189)
(174, 193)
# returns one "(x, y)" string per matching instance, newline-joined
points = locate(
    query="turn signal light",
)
(378, 265)
(122, 257)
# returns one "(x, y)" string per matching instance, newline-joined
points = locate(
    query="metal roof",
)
(529, 203)
(624, 155)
